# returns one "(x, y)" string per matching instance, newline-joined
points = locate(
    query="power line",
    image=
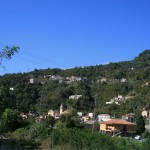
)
(40, 58)
(49, 60)
(29, 61)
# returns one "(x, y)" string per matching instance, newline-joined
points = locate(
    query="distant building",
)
(116, 100)
(118, 126)
(107, 103)
(85, 118)
(51, 113)
(103, 117)
(74, 78)
(123, 80)
(145, 113)
(146, 84)
(129, 117)
(11, 89)
(31, 80)
(104, 79)
(91, 115)
(75, 96)
(24, 116)
(79, 114)
(57, 114)
(61, 109)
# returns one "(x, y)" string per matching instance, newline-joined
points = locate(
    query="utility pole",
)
(94, 115)
(149, 121)
(41, 102)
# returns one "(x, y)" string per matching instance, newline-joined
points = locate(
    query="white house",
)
(103, 117)
(91, 115)
(124, 80)
(75, 96)
(11, 89)
(80, 114)
(31, 81)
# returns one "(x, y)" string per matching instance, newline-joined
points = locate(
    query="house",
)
(79, 114)
(116, 100)
(57, 78)
(54, 78)
(115, 126)
(11, 89)
(74, 78)
(107, 103)
(85, 118)
(51, 113)
(129, 117)
(57, 114)
(147, 84)
(31, 80)
(91, 115)
(104, 79)
(103, 117)
(123, 80)
(54, 114)
(145, 113)
(75, 96)
(24, 116)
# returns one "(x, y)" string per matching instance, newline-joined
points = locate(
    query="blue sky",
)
(71, 33)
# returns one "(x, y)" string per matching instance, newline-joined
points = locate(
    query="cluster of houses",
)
(68, 80)
(108, 79)
(126, 125)
(146, 84)
(59, 79)
(117, 100)
(109, 125)
(75, 96)
(104, 123)
(113, 126)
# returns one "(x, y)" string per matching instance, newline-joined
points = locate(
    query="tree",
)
(49, 121)
(11, 120)
(7, 52)
(140, 125)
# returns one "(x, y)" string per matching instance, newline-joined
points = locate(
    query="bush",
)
(38, 130)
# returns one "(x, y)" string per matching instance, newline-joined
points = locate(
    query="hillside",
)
(41, 90)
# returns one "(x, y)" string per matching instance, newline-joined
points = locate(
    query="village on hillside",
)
(104, 123)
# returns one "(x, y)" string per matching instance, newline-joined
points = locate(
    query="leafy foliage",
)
(17, 95)
(11, 120)
(81, 139)
(140, 125)
(45, 94)
(7, 52)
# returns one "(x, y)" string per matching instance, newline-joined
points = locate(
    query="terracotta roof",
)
(118, 121)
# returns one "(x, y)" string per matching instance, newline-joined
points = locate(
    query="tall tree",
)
(140, 125)
(11, 120)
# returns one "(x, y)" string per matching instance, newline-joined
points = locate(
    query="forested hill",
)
(41, 90)
(116, 70)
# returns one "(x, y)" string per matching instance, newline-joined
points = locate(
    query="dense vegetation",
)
(38, 97)
(130, 79)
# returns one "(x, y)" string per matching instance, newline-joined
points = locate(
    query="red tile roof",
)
(118, 121)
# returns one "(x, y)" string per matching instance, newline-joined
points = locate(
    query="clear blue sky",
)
(70, 33)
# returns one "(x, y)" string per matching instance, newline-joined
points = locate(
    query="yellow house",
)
(145, 113)
(51, 113)
(115, 126)
(85, 118)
